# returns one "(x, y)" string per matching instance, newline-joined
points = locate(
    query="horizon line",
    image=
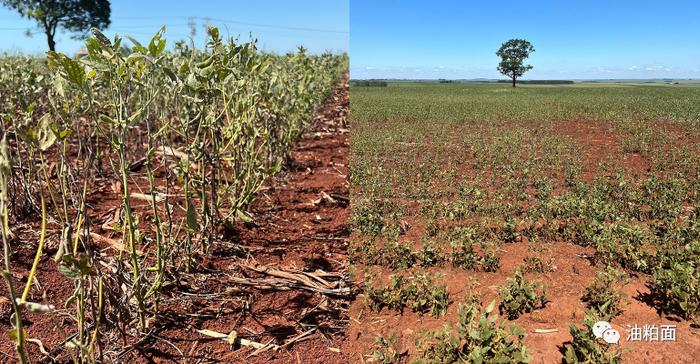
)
(525, 79)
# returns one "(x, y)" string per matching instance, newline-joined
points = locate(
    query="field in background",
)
(560, 204)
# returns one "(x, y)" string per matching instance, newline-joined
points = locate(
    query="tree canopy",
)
(513, 54)
(71, 15)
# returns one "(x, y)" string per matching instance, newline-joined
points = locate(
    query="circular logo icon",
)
(599, 328)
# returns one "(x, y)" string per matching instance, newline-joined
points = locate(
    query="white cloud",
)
(657, 69)
(650, 68)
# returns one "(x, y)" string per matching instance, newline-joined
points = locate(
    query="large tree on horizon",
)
(72, 15)
(513, 53)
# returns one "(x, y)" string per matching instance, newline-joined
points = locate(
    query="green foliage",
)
(368, 83)
(636, 143)
(368, 218)
(510, 230)
(373, 218)
(540, 262)
(393, 296)
(419, 292)
(675, 281)
(387, 351)
(513, 54)
(430, 254)
(438, 347)
(603, 296)
(465, 256)
(518, 295)
(479, 338)
(427, 296)
(586, 349)
(490, 262)
(431, 227)
(398, 255)
(365, 252)
(542, 82)
(624, 245)
(405, 103)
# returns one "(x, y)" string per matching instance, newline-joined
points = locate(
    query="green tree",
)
(513, 53)
(71, 15)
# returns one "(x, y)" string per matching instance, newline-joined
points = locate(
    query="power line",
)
(274, 32)
(127, 26)
(281, 27)
(261, 25)
(228, 21)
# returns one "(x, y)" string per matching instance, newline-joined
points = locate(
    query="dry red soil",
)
(548, 328)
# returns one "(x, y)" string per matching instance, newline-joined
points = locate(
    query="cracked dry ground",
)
(280, 281)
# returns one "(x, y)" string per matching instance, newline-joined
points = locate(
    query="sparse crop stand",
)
(126, 165)
(532, 213)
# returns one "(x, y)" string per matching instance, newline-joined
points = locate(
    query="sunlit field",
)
(552, 207)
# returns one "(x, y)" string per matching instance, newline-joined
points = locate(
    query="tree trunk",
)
(52, 43)
(50, 31)
(513, 81)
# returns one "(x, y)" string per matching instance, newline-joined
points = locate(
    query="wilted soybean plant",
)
(207, 126)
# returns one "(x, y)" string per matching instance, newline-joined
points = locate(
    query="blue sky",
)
(574, 39)
(279, 25)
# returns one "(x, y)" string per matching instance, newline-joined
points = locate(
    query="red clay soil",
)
(300, 225)
(566, 284)
(598, 141)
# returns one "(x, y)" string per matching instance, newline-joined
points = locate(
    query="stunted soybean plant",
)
(193, 133)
